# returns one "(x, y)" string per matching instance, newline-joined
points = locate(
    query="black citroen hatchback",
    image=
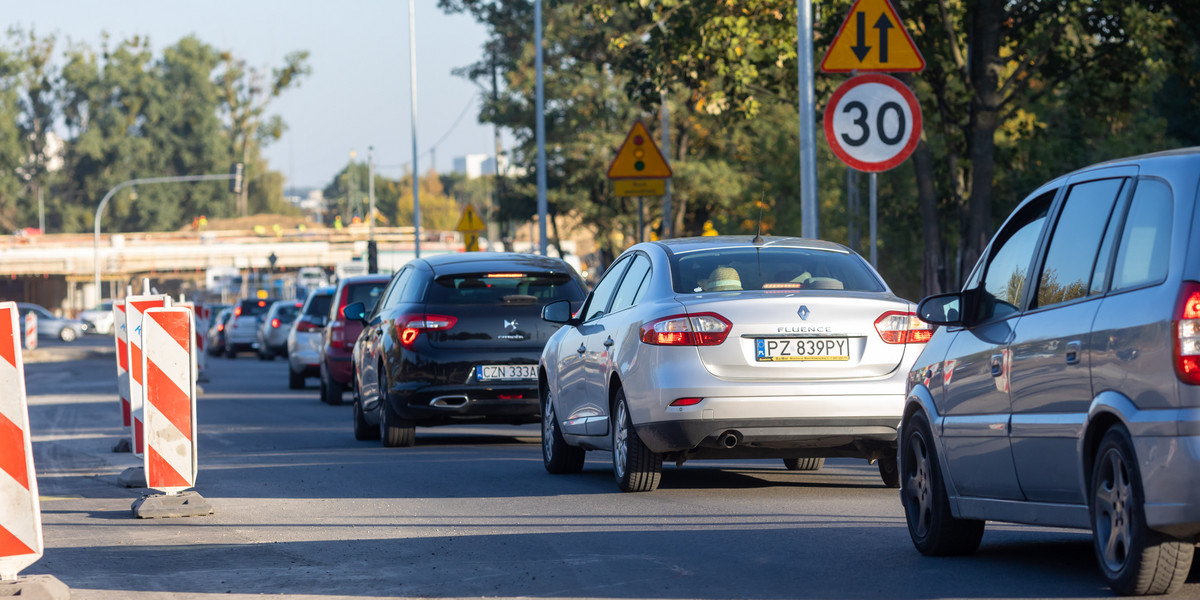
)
(456, 339)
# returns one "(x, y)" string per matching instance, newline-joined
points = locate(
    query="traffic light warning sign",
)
(866, 41)
(639, 157)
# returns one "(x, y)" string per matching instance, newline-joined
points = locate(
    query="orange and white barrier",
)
(169, 365)
(135, 306)
(121, 337)
(20, 515)
(191, 306)
(31, 340)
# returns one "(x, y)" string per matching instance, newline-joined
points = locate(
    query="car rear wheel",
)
(295, 380)
(266, 355)
(230, 352)
(889, 471)
(67, 334)
(635, 467)
(331, 391)
(803, 464)
(363, 431)
(558, 456)
(1135, 559)
(933, 529)
(394, 431)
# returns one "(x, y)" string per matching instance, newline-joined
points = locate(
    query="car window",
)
(724, 269)
(286, 313)
(516, 287)
(391, 298)
(1101, 273)
(1007, 272)
(598, 305)
(1073, 250)
(633, 284)
(319, 304)
(414, 288)
(1146, 239)
(367, 293)
(253, 308)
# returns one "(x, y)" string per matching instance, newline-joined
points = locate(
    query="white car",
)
(304, 337)
(99, 319)
(729, 347)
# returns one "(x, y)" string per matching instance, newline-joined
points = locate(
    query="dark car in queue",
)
(274, 327)
(337, 340)
(456, 339)
(216, 331)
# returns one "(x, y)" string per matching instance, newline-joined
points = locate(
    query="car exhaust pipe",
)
(448, 401)
(729, 439)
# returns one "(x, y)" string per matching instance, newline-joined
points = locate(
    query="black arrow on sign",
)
(862, 48)
(883, 25)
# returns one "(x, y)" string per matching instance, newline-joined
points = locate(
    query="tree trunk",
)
(933, 261)
(985, 65)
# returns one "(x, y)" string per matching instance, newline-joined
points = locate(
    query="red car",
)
(337, 344)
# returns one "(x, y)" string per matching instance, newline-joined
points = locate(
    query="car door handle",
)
(1073, 351)
(997, 365)
(608, 343)
(581, 349)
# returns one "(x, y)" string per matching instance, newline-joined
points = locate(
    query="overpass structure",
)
(57, 271)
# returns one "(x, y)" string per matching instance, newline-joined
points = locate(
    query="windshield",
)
(770, 268)
(504, 288)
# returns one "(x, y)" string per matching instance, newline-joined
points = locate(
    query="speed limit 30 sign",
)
(873, 122)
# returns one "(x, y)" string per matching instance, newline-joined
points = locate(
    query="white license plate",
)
(790, 349)
(506, 372)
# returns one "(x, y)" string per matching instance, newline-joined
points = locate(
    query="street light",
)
(132, 182)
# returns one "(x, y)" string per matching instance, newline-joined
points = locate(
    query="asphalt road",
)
(303, 510)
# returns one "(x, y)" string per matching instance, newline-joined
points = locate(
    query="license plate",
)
(790, 349)
(505, 372)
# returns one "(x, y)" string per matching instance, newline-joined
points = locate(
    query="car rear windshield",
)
(367, 293)
(772, 269)
(504, 288)
(254, 308)
(287, 312)
(318, 305)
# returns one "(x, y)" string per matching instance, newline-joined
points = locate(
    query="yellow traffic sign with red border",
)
(866, 42)
(639, 157)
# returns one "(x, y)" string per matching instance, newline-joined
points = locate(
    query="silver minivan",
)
(1063, 386)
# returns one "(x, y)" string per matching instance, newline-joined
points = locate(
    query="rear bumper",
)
(866, 437)
(509, 403)
(339, 366)
(1170, 470)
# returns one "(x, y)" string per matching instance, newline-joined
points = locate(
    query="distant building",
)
(470, 165)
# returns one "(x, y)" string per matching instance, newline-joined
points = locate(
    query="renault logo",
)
(803, 312)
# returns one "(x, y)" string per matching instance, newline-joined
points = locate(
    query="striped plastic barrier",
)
(169, 365)
(134, 307)
(20, 515)
(122, 340)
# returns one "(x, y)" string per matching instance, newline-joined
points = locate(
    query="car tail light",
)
(343, 301)
(274, 323)
(220, 327)
(337, 334)
(306, 326)
(897, 327)
(1187, 334)
(237, 312)
(686, 402)
(701, 329)
(411, 326)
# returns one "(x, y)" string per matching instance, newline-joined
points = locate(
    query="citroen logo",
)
(510, 325)
(803, 312)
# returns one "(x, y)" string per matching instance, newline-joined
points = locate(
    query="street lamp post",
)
(132, 182)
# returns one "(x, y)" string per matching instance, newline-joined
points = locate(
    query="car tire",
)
(933, 529)
(331, 391)
(363, 431)
(67, 335)
(1134, 559)
(231, 352)
(295, 380)
(394, 432)
(266, 356)
(636, 468)
(804, 464)
(558, 457)
(889, 471)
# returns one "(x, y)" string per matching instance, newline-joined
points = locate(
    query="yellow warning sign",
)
(639, 187)
(471, 242)
(470, 221)
(872, 38)
(639, 158)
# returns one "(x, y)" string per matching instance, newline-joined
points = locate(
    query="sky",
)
(358, 92)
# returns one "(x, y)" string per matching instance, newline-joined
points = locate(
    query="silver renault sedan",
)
(728, 347)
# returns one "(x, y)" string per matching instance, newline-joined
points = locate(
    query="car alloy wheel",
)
(67, 334)
(636, 467)
(394, 432)
(557, 456)
(932, 527)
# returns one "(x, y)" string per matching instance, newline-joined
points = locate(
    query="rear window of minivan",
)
(253, 308)
(504, 288)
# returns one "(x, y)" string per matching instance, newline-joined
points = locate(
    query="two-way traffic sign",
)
(866, 42)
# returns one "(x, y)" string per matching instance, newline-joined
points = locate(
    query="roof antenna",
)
(758, 235)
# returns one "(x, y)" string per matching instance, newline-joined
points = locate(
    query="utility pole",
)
(667, 220)
(541, 127)
(372, 248)
(809, 225)
(412, 71)
(494, 210)
(41, 211)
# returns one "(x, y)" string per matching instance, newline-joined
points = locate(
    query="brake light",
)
(505, 275)
(262, 303)
(337, 334)
(220, 327)
(343, 301)
(897, 327)
(702, 329)
(686, 402)
(411, 326)
(1187, 334)
(237, 312)
(305, 326)
(274, 323)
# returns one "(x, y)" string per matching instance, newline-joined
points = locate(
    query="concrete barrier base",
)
(162, 506)
(123, 445)
(35, 587)
(133, 477)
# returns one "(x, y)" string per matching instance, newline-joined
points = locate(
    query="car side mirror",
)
(356, 311)
(942, 309)
(558, 311)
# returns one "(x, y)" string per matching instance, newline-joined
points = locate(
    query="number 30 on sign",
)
(873, 122)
